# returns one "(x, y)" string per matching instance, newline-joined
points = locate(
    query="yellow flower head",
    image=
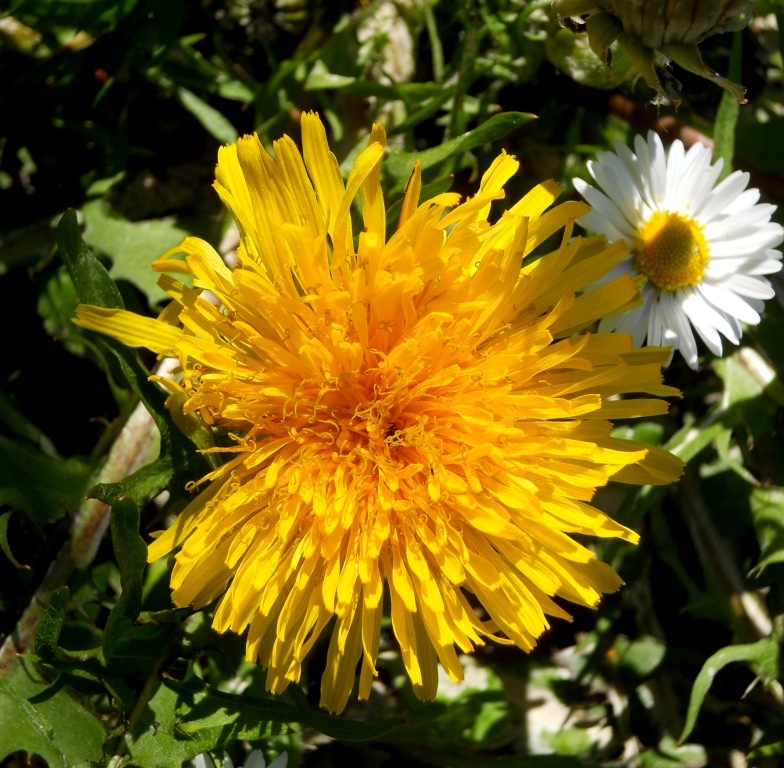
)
(418, 412)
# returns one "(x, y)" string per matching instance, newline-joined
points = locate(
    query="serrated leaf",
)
(41, 486)
(152, 739)
(183, 719)
(142, 485)
(51, 623)
(131, 245)
(400, 164)
(129, 647)
(131, 554)
(24, 728)
(764, 657)
(59, 728)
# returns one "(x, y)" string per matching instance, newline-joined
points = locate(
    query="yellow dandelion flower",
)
(413, 414)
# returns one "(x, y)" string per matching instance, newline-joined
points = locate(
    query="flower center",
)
(672, 252)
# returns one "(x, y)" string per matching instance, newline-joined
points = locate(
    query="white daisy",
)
(254, 759)
(701, 246)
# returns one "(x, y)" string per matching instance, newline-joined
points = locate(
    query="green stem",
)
(728, 111)
(435, 44)
(748, 607)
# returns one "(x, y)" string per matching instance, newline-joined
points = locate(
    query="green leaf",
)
(752, 391)
(131, 245)
(5, 547)
(254, 709)
(178, 458)
(26, 246)
(178, 462)
(570, 741)
(400, 164)
(24, 728)
(639, 657)
(209, 117)
(767, 509)
(130, 647)
(56, 306)
(20, 425)
(424, 109)
(41, 486)
(321, 79)
(767, 750)
(51, 623)
(467, 759)
(131, 554)
(89, 670)
(763, 657)
(183, 719)
(60, 729)
(92, 282)
(668, 754)
(142, 485)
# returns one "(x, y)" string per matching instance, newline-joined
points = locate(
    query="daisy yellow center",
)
(672, 252)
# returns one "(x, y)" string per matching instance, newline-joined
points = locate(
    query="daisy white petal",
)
(608, 219)
(753, 287)
(727, 301)
(744, 202)
(702, 245)
(746, 246)
(723, 268)
(742, 223)
(675, 162)
(722, 196)
(708, 321)
(613, 174)
(255, 759)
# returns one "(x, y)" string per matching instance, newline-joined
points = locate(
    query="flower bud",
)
(655, 32)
